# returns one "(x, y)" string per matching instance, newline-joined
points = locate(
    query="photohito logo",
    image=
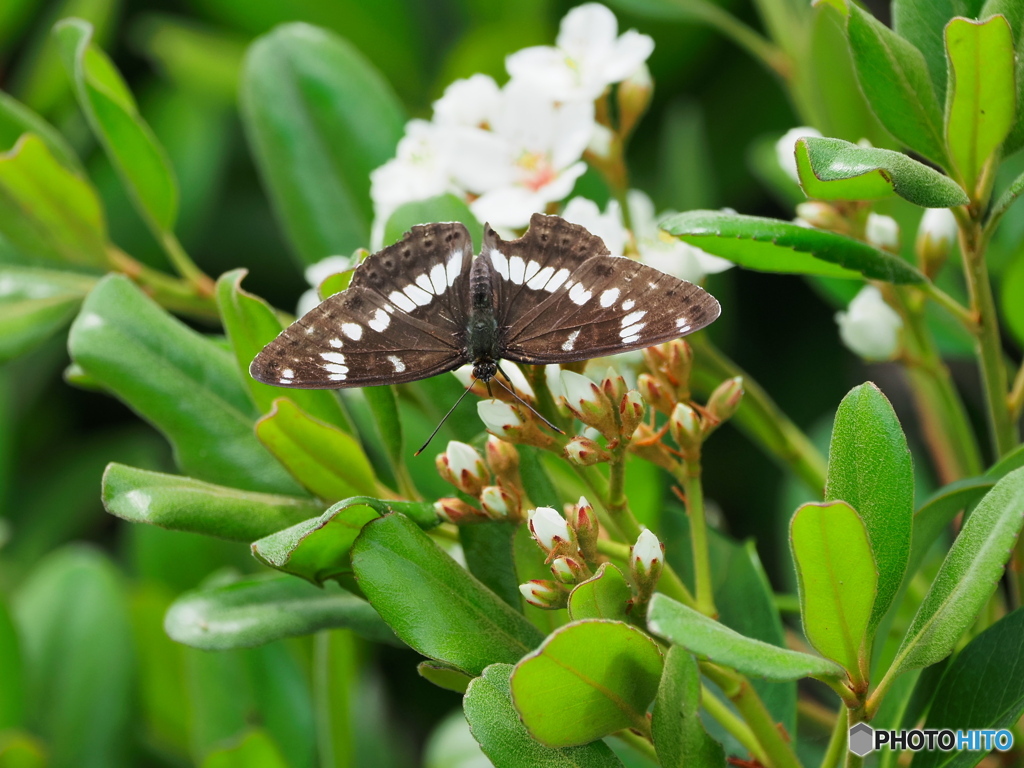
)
(865, 739)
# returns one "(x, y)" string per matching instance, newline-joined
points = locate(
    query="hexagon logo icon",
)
(861, 739)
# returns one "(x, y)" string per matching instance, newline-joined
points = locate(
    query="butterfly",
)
(425, 305)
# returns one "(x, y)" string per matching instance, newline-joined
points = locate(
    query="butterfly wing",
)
(402, 318)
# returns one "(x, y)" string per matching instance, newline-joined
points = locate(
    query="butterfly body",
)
(424, 306)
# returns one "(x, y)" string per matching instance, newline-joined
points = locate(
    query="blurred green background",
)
(82, 595)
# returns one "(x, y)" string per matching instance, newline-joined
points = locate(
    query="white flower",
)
(660, 250)
(883, 232)
(498, 416)
(546, 525)
(472, 102)
(785, 149)
(869, 326)
(588, 57)
(579, 390)
(648, 549)
(938, 227)
(607, 225)
(553, 377)
(315, 275)
(529, 158)
(542, 594)
(464, 458)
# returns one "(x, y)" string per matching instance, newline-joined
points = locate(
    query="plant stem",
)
(951, 305)
(170, 292)
(759, 416)
(854, 716)
(184, 265)
(778, 751)
(639, 743)
(617, 506)
(772, 57)
(689, 477)
(836, 743)
(733, 724)
(1016, 402)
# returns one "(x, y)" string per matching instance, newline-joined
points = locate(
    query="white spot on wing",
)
(632, 317)
(335, 368)
(287, 373)
(579, 294)
(418, 295)
(570, 342)
(538, 281)
(437, 278)
(381, 320)
(454, 267)
(500, 262)
(632, 330)
(531, 269)
(631, 339)
(628, 304)
(336, 343)
(353, 330)
(337, 377)
(608, 297)
(556, 282)
(683, 324)
(517, 270)
(397, 362)
(402, 301)
(332, 357)
(424, 282)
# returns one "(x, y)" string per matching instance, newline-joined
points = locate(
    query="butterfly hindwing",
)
(402, 318)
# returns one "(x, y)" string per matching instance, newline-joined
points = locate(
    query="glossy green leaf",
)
(771, 245)
(12, 692)
(47, 210)
(444, 676)
(833, 169)
(921, 22)
(186, 504)
(319, 549)
(261, 609)
(114, 117)
(870, 468)
(606, 595)
(320, 118)
(384, 405)
(255, 750)
(679, 735)
(1011, 296)
(441, 208)
(608, 669)
(957, 705)
(251, 324)
(968, 576)
(708, 639)
(505, 740)
(1014, 13)
(183, 383)
(432, 603)
(327, 461)
(838, 582)
(982, 95)
(894, 77)
(35, 304)
(487, 548)
(938, 511)
(17, 119)
(72, 616)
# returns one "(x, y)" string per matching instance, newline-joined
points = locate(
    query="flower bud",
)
(549, 528)
(687, 430)
(935, 237)
(568, 570)
(822, 216)
(646, 562)
(500, 503)
(503, 459)
(631, 413)
(586, 452)
(613, 385)
(505, 421)
(869, 326)
(785, 149)
(544, 594)
(458, 512)
(646, 444)
(589, 404)
(602, 145)
(634, 96)
(725, 400)
(679, 364)
(583, 522)
(463, 467)
(655, 393)
(883, 232)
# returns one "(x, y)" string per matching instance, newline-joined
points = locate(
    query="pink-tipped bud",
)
(646, 444)
(569, 570)
(544, 594)
(500, 503)
(458, 512)
(588, 403)
(505, 421)
(613, 385)
(583, 522)
(725, 400)
(687, 430)
(549, 529)
(585, 452)
(503, 459)
(631, 413)
(655, 393)
(646, 562)
(634, 96)
(677, 369)
(464, 468)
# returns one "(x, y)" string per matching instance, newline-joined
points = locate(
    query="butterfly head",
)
(484, 370)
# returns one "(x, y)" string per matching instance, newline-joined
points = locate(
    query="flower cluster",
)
(512, 150)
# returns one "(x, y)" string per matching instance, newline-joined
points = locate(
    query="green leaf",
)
(981, 103)
(72, 616)
(440, 208)
(833, 169)
(993, 662)
(894, 77)
(1014, 13)
(968, 576)
(181, 382)
(1012, 298)
(938, 512)
(870, 468)
(608, 669)
(35, 304)
(20, 750)
(432, 603)
(319, 549)
(444, 675)
(110, 108)
(606, 595)
(770, 245)
(327, 461)
(487, 548)
(251, 324)
(503, 737)
(921, 22)
(262, 609)
(679, 736)
(186, 504)
(47, 210)
(708, 639)
(384, 405)
(320, 118)
(255, 750)
(837, 582)
(12, 693)
(17, 119)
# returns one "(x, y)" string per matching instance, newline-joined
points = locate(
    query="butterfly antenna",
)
(511, 390)
(441, 424)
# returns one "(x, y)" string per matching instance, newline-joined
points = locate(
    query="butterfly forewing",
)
(402, 318)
